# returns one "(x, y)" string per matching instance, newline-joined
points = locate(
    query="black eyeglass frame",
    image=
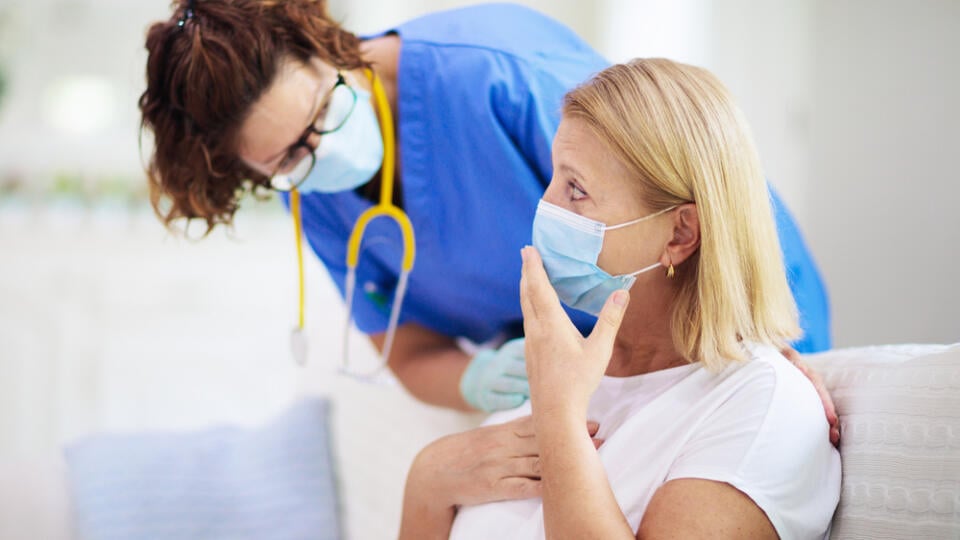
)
(311, 129)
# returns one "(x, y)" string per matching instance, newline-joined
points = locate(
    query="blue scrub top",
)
(479, 96)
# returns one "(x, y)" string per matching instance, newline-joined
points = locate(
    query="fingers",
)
(523, 441)
(511, 385)
(493, 401)
(608, 323)
(538, 300)
(792, 355)
(516, 367)
(829, 408)
(592, 429)
(517, 488)
(523, 467)
(521, 427)
(514, 348)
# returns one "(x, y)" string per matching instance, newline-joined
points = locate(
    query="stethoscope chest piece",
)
(298, 346)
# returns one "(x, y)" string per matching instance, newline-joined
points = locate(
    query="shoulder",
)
(503, 64)
(507, 28)
(792, 404)
(499, 42)
(788, 466)
(781, 402)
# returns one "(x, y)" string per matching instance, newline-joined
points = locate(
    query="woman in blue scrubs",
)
(243, 92)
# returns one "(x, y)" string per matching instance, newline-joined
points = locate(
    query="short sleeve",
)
(770, 441)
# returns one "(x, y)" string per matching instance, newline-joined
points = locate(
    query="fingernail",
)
(620, 298)
(523, 253)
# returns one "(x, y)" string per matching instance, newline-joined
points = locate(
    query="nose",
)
(313, 141)
(553, 193)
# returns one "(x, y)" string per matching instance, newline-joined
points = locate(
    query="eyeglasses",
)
(336, 108)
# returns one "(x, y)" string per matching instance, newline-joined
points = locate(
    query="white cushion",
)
(899, 409)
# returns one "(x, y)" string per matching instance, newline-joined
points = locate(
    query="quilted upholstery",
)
(899, 410)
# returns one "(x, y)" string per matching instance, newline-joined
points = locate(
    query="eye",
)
(576, 193)
(292, 159)
(322, 115)
(284, 163)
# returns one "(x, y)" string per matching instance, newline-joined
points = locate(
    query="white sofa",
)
(899, 410)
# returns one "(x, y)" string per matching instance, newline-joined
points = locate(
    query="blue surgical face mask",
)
(570, 245)
(348, 157)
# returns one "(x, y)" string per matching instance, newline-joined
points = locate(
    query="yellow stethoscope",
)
(385, 208)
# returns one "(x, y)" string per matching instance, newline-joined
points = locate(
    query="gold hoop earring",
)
(670, 271)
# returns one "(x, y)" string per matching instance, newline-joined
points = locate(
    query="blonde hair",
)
(678, 130)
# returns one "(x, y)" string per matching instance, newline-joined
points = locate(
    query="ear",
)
(686, 235)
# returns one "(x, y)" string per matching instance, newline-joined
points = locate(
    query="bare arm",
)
(577, 499)
(564, 370)
(486, 464)
(428, 364)
(425, 514)
(696, 508)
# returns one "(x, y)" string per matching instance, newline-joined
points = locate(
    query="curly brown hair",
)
(207, 65)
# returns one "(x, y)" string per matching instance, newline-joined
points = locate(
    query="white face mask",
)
(570, 245)
(348, 157)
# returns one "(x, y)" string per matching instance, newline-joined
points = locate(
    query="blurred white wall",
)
(374, 15)
(75, 70)
(884, 184)
(853, 105)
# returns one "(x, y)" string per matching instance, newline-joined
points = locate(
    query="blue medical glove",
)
(497, 379)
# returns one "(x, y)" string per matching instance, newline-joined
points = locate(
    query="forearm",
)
(428, 364)
(433, 376)
(424, 518)
(482, 465)
(577, 499)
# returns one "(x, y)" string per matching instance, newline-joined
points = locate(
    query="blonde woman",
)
(677, 416)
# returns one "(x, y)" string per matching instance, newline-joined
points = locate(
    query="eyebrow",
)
(314, 109)
(571, 170)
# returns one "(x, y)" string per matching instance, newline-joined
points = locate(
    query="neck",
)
(384, 53)
(645, 342)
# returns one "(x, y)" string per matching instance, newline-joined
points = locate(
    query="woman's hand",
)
(829, 409)
(564, 369)
(486, 464)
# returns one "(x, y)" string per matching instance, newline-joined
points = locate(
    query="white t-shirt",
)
(758, 426)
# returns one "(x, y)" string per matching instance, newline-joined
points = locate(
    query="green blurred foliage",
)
(3, 84)
(68, 184)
